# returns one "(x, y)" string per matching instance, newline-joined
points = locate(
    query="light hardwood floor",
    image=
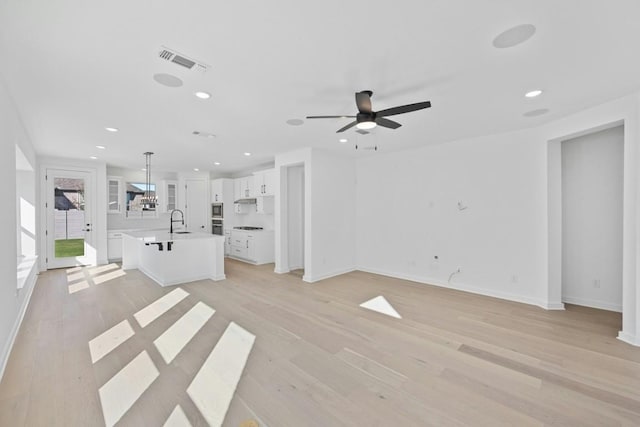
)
(321, 360)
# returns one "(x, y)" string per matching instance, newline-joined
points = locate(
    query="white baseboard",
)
(628, 338)
(28, 286)
(553, 306)
(280, 270)
(466, 288)
(592, 303)
(313, 279)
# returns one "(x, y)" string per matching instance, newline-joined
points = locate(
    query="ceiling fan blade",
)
(363, 100)
(350, 125)
(331, 117)
(381, 121)
(403, 109)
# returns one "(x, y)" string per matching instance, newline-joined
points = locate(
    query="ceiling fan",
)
(368, 119)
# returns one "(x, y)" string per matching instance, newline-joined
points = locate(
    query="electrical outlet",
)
(596, 283)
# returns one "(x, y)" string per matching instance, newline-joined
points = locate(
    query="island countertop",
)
(165, 236)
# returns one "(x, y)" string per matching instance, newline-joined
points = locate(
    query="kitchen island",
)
(174, 258)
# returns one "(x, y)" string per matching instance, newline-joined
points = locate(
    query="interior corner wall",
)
(13, 302)
(329, 213)
(477, 204)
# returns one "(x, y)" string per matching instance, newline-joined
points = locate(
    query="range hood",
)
(247, 201)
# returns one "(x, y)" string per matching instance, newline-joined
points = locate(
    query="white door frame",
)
(47, 203)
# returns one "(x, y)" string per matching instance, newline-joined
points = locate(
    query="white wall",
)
(333, 208)
(507, 240)
(408, 213)
(13, 302)
(592, 179)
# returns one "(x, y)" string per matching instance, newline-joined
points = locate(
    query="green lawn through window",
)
(69, 248)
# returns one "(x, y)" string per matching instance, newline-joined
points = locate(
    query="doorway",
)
(69, 218)
(592, 219)
(295, 219)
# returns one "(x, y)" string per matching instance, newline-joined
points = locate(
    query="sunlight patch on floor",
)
(106, 342)
(102, 268)
(174, 339)
(76, 287)
(214, 385)
(159, 307)
(108, 276)
(123, 390)
(177, 418)
(381, 305)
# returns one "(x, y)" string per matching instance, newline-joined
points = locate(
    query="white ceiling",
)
(74, 67)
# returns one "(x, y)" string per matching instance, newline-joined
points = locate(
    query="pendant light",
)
(149, 200)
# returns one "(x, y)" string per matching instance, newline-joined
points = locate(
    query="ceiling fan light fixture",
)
(370, 124)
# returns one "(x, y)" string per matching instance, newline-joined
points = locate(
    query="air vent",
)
(182, 60)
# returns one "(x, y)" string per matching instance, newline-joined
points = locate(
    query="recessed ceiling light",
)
(196, 170)
(143, 169)
(533, 93)
(514, 36)
(101, 147)
(343, 140)
(112, 129)
(294, 122)
(216, 163)
(247, 154)
(93, 158)
(203, 95)
(536, 113)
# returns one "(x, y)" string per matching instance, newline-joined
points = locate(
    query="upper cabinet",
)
(222, 190)
(168, 197)
(264, 182)
(244, 188)
(114, 194)
(216, 191)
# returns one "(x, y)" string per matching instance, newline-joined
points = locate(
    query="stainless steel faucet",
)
(175, 220)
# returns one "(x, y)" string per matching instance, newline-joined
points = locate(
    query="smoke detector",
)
(172, 55)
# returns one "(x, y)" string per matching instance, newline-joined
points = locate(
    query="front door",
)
(69, 219)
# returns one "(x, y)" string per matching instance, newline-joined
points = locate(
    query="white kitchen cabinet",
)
(114, 195)
(217, 191)
(243, 188)
(255, 246)
(264, 182)
(114, 245)
(168, 196)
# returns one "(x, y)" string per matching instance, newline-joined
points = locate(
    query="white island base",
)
(183, 258)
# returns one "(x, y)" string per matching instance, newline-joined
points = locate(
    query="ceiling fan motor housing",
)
(366, 117)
